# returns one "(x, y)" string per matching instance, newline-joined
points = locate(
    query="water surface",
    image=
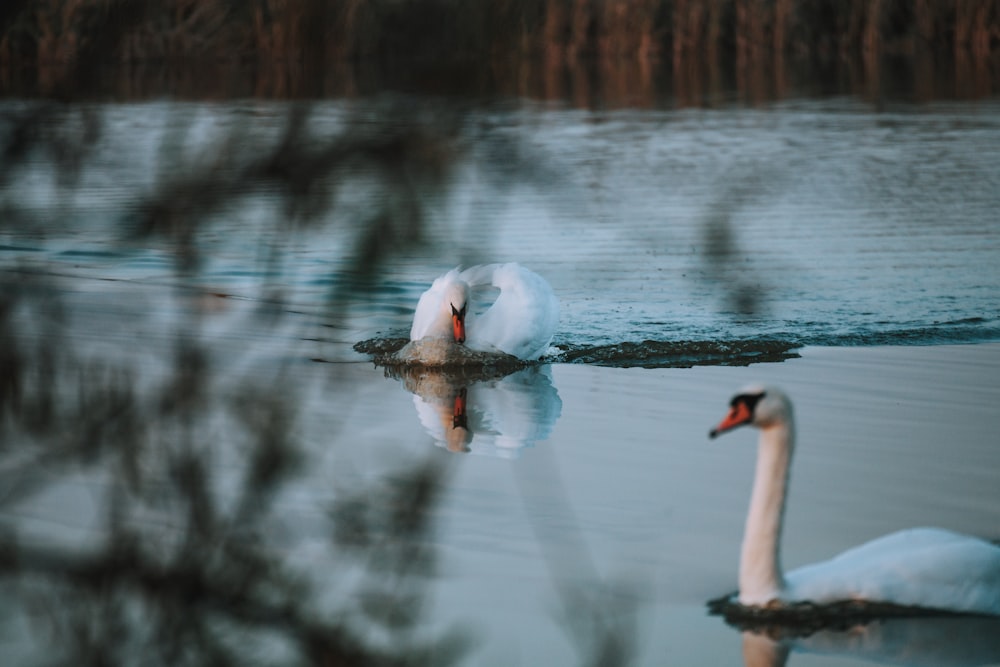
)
(816, 221)
(863, 239)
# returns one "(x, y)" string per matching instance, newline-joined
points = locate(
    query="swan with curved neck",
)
(921, 567)
(520, 322)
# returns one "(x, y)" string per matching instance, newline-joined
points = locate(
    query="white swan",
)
(521, 322)
(921, 567)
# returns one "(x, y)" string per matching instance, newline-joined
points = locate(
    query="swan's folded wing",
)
(921, 567)
(524, 316)
(482, 275)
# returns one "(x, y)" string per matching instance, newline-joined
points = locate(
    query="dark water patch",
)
(321, 281)
(681, 354)
(396, 288)
(731, 350)
(256, 274)
(399, 354)
(380, 345)
(964, 330)
(95, 254)
(391, 351)
(802, 619)
(18, 248)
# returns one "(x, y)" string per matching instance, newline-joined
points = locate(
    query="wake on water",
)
(398, 351)
(394, 352)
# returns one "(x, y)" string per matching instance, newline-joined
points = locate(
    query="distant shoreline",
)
(545, 49)
(454, 29)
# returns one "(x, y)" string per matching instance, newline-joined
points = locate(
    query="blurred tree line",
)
(520, 46)
(54, 30)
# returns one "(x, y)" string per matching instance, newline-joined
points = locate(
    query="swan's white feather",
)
(427, 319)
(920, 567)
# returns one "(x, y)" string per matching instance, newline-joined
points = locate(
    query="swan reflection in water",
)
(483, 410)
(946, 641)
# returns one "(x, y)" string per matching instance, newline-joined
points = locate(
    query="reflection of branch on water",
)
(602, 620)
(599, 614)
(724, 260)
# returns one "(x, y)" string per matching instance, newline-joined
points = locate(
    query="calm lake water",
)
(861, 243)
(809, 221)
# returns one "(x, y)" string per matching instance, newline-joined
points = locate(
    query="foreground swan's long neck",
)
(761, 579)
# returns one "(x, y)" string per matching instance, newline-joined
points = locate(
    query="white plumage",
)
(920, 567)
(520, 322)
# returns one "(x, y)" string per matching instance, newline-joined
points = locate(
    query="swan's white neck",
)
(761, 579)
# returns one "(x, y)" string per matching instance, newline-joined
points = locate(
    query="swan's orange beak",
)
(458, 324)
(739, 414)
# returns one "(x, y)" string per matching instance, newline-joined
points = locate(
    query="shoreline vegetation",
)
(624, 52)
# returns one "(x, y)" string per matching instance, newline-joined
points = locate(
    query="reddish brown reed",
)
(546, 48)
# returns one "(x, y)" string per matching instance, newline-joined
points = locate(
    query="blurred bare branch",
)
(177, 554)
(173, 574)
(179, 565)
(724, 259)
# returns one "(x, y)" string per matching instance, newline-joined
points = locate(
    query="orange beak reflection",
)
(459, 417)
(738, 415)
(459, 436)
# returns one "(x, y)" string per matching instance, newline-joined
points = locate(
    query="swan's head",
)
(456, 304)
(756, 405)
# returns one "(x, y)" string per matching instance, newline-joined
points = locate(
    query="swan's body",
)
(521, 322)
(921, 567)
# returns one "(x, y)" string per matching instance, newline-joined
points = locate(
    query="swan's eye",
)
(750, 400)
